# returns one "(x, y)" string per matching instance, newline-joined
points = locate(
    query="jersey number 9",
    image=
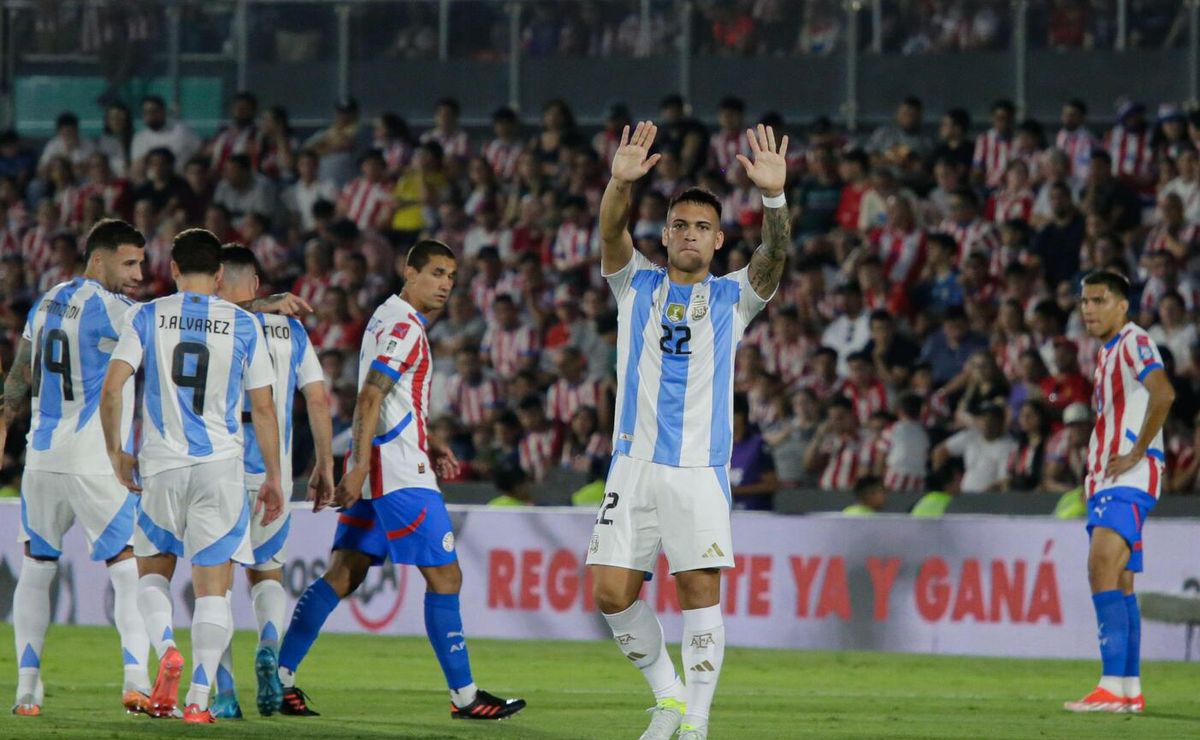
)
(54, 351)
(197, 380)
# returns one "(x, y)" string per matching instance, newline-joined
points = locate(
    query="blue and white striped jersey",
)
(295, 366)
(200, 354)
(675, 351)
(73, 330)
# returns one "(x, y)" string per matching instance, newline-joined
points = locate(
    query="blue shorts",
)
(410, 525)
(1123, 510)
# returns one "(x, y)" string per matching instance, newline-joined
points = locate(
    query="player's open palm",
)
(768, 170)
(269, 502)
(633, 158)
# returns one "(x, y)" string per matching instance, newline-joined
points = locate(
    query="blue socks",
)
(315, 605)
(1133, 658)
(443, 625)
(1112, 615)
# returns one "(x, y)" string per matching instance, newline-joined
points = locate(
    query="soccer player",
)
(62, 355)
(1125, 471)
(392, 506)
(200, 354)
(296, 368)
(668, 486)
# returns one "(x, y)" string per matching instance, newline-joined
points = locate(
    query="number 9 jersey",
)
(200, 355)
(72, 330)
(675, 352)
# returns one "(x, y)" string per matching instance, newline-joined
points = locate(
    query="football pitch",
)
(367, 687)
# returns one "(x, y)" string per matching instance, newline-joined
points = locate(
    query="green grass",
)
(369, 687)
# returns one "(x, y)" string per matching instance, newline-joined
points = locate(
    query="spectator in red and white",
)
(893, 143)
(113, 191)
(838, 447)
(336, 328)
(1029, 146)
(954, 143)
(569, 328)
(985, 449)
(971, 233)
(14, 216)
(36, 247)
(949, 177)
(1173, 234)
(606, 141)
(820, 30)
(454, 140)
(486, 286)
(585, 445)
(863, 387)
(244, 191)
(1026, 465)
(157, 267)
(786, 350)
(742, 201)
(1057, 165)
(274, 258)
(336, 143)
(116, 137)
(576, 247)
(1170, 135)
(482, 187)
(300, 197)
(573, 388)
(1076, 140)
(65, 192)
(878, 292)
(873, 209)
(540, 447)
(157, 132)
(65, 263)
(853, 169)
(473, 396)
(509, 345)
(67, 143)
(901, 243)
(1128, 144)
(240, 136)
(730, 140)
(452, 224)
(486, 231)
(905, 447)
(392, 137)
(504, 149)
(1058, 244)
(1174, 331)
(1187, 184)
(748, 363)
(312, 284)
(1067, 385)
(1015, 198)
(851, 330)
(820, 375)
(277, 144)
(1066, 452)
(367, 199)
(461, 326)
(993, 148)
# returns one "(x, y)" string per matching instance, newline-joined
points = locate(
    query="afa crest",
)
(675, 312)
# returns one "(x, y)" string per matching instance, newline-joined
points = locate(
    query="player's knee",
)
(611, 599)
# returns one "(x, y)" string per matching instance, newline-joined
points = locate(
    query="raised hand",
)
(768, 171)
(633, 159)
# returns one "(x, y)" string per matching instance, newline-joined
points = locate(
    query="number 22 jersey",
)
(200, 354)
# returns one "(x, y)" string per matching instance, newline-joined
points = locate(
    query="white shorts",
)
(198, 512)
(648, 506)
(51, 502)
(266, 542)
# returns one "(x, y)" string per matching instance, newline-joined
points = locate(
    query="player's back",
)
(295, 366)
(394, 343)
(73, 329)
(196, 349)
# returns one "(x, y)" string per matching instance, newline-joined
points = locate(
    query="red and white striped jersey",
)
(472, 403)
(311, 289)
(739, 201)
(574, 245)
(395, 344)
(70, 205)
(1159, 238)
(1078, 146)
(992, 152)
(786, 359)
(1121, 400)
(1023, 462)
(723, 149)
(270, 253)
(903, 254)
(10, 243)
(113, 194)
(977, 236)
(1008, 353)
(905, 447)
(55, 275)
(233, 140)
(606, 143)
(502, 156)
(507, 348)
(1130, 151)
(366, 203)
(36, 248)
(1156, 287)
(1060, 450)
(845, 464)
(867, 399)
(598, 446)
(564, 398)
(1004, 205)
(396, 155)
(456, 144)
(538, 451)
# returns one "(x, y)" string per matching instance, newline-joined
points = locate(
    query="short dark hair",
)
(1078, 105)
(910, 404)
(241, 160)
(699, 196)
(912, 101)
(531, 403)
(946, 473)
(110, 233)
(1117, 284)
(1005, 105)
(504, 113)
(245, 96)
(239, 255)
(197, 251)
(880, 314)
(731, 102)
(960, 117)
(375, 155)
(154, 99)
(865, 484)
(451, 103)
(425, 250)
(66, 119)
(841, 402)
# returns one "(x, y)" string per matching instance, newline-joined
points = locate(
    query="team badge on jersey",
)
(699, 309)
(1145, 352)
(675, 312)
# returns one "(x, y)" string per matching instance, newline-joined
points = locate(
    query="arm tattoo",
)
(380, 381)
(256, 305)
(16, 385)
(766, 266)
(383, 384)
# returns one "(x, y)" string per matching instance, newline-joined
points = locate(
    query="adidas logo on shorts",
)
(713, 552)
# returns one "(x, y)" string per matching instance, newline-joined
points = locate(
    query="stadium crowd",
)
(928, 313)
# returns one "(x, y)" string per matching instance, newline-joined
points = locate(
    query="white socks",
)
(465, 696)
(31, 619)
(1132, 686)
(270, 609)
(154, 602)
(703, 652)
(135, 645)
(225, 668)
(640, 637)
(211, 630)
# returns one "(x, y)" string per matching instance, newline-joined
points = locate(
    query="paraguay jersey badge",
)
(1145, 353)
(675, 312)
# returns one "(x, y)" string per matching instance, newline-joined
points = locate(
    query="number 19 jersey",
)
(72, 330)
(200, 354)
(675, 352)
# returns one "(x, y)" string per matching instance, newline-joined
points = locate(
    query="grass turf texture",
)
(368, 686)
